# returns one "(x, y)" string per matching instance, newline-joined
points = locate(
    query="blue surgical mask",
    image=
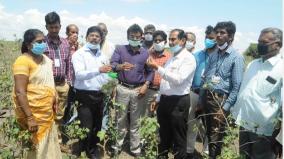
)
(39, 48)
(209, 43)
(175, 48)
(134, 43)
(93, 46)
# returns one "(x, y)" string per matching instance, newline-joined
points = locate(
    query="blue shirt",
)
(201, 58)
(140, 73)
(229, 68)
(259, 101)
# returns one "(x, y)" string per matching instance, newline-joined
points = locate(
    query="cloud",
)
(15, 24)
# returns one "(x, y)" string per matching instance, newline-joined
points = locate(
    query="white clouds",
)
(12, 23)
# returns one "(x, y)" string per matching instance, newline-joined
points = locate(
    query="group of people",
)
(178, 83)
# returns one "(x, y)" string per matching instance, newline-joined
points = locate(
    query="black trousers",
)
(172, 114)
(254, 146)
(215, 129)
(90, 114)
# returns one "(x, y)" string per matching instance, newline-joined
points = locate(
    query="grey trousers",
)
(136, 107)
(192, 124)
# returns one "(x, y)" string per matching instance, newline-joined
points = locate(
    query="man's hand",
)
(32, 125)
(151, 63)
(142, 90)
(221, 115)
(199, 110)
(153, 106)
(105, 69)
(125, 66)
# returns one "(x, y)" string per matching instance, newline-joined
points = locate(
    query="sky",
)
(250, 16)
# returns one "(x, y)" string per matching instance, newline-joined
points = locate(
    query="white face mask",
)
(189, 45)
(148, 37)
(160, 46)
(222, 47)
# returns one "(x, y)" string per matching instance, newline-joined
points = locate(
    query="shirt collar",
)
(128, 47)
(98, 53)
(273, 60)
(50, 40)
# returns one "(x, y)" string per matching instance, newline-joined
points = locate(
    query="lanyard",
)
(218, 66)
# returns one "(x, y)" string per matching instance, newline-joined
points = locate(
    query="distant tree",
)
(251, 53)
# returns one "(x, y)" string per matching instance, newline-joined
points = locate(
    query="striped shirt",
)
(229, 67)
(60, 51)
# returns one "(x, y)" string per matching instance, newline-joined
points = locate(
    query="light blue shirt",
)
(259, 100)
(201, 58)
(229, 68)
(86, 66)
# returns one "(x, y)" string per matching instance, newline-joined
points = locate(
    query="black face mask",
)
(262, 49)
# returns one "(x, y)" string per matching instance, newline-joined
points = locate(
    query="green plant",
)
(75, 132)
(148, 131)
(15, 135)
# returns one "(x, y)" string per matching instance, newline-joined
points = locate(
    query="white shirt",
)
(259, 101)
(86, 68)
(177, 74)
(107, 49)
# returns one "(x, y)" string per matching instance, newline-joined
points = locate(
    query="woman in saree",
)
(35, 96)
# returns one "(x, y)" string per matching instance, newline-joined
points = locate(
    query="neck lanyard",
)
(219, 65)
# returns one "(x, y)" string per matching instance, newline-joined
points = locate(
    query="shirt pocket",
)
(267, 85)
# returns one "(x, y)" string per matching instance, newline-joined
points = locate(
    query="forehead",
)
(174, 34)
(268, 36)
(95, 33)
(159, 37)
(135, 34)
(190, 36)
(57, 24)
(221, 30)
(73, 28)
(39, 36)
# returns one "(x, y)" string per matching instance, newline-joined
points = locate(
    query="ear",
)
(183, 41)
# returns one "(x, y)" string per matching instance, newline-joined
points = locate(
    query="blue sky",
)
(250, 16)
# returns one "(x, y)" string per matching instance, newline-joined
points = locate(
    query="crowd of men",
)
(174, 83)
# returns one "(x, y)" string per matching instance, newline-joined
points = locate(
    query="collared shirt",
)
(86, 67)
(259, 100)
(140, 73)
(229, 68)
(201, 58)
(161, 60)
(107, 49)
(177, 74)
(61, 52)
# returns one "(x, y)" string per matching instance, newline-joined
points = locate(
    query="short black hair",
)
(181, 33)
(228, 25)
(52, 18)
(135, 28)
(149, 27)
(161, 33)
(209, 30)
(94, 29)
(29, 37)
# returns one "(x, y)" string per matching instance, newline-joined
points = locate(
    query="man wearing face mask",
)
(173, 100)
(90, 68)
(148, 36)
(134, 79)
(201, 58)
(259, 106)
(160, 55)
(222, 80)
(190, 41)
(107, 47)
